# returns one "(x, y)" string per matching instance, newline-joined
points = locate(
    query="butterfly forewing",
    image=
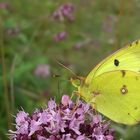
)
(127, 58)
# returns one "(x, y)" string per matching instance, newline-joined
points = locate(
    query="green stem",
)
(4, 77)
(12, 85)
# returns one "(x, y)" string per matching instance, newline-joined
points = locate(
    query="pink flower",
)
(41, 138)
(52, 105)
(23, 129)
(64, 121)
(21, 118)
(60, 36)
(12, 31)
(65, 100)
(65, 11)
(109, 23)
(4, 5)
(34, 126)
(42, 70)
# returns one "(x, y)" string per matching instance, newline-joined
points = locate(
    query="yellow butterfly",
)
(113, 86)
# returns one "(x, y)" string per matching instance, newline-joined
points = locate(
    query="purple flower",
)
(65, 11)
(51, 104)
(4, 5)
(12, 31)
(41, 138)
(34, 126)
(65, 100)
(60, 36)
(23, 129)
(64, 121)
(42, 70)
(109, 23)
(21, 118)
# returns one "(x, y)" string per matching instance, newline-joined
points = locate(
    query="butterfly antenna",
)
(66, 68)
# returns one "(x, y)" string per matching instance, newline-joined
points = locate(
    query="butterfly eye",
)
(116, 62)
(75, 82)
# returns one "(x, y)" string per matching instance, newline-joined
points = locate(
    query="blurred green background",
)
(78, 33)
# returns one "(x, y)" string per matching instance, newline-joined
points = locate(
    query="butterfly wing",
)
(113, 85)
(118, 96)
(127, 58)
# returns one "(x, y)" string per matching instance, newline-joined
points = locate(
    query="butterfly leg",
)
(77, 100)
(94, 106)
(75, 93)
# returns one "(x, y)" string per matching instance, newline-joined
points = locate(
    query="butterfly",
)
(113, 86)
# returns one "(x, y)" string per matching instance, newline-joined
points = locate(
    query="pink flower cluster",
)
(65, 121)
(65, 11)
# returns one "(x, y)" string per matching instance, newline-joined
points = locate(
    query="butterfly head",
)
(76, 81)
(82, 88)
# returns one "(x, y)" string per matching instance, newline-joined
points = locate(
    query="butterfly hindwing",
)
(118, 96)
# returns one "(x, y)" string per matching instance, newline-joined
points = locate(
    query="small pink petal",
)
(65, 100)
